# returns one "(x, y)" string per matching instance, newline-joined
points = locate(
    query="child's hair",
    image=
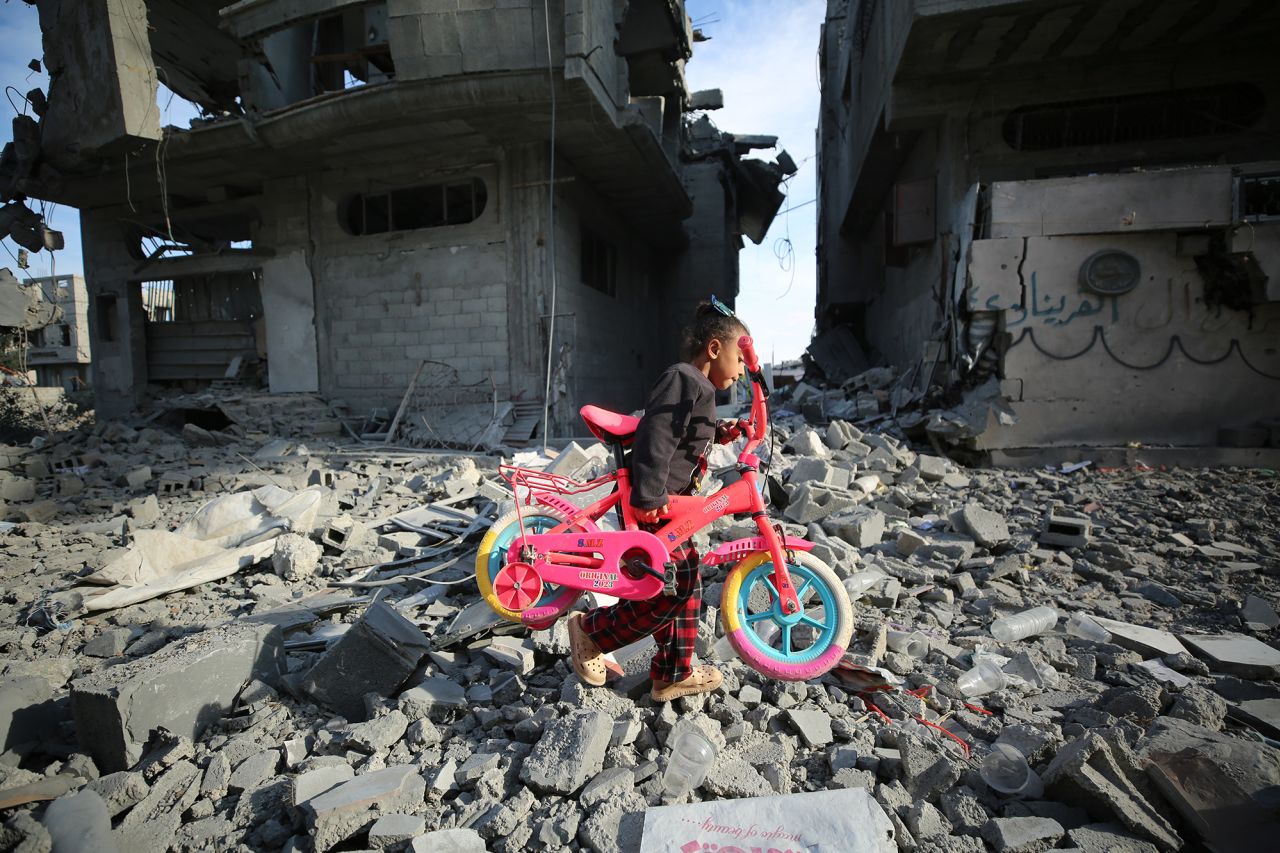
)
(710, 324)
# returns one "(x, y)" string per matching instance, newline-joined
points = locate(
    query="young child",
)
(667, 457)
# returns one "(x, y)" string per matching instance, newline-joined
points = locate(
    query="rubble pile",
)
(337, 683)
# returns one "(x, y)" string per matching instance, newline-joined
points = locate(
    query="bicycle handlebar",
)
(749, 356)
(759, 393)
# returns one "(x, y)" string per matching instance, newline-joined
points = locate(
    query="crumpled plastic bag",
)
(227, 534)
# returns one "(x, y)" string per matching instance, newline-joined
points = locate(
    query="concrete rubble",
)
(343, 686)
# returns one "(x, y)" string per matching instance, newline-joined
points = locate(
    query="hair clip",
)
(721, 307)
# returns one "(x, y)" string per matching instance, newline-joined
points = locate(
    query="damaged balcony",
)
(320, 84)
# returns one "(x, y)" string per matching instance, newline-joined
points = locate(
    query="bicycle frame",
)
(592, 559)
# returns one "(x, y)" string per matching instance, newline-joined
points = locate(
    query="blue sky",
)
(762, 54)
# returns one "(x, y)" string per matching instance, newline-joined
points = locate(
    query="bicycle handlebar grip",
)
(749, 353)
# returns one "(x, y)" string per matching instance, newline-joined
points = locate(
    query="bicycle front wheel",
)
(788, 646)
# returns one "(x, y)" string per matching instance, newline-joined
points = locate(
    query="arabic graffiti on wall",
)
(1046, 309)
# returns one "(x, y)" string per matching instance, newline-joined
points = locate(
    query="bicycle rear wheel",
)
(492, 557)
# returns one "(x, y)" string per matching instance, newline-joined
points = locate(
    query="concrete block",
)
(986, 527)
(136, 478)
(570, 751)
(351, 807)
(119, 791)
(27, 711)
(807, 442)
(173, 482)
(1064, 531)
(861, 528)
(343, 533)
(810, 470)
(183, 687)
(812, 502)
(144, 511)
(932, 468)
(376, 655)
(814, 727)
(295, 557)
(434, 698)
(393, 831)
(38, 512)
(17, 489)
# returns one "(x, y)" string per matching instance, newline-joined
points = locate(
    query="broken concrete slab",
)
(1218, 784)
(1088, 773)
(1236, 654)
(1148, 642)
(345, 810)
(1262, 714)
(570, 751)
(1107, 838)
(846, 819)
(377, 655)
(183, 687)
(1022, 834)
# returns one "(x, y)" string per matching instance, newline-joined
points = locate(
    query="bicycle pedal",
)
(669, 580)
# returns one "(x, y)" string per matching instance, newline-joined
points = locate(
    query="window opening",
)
(599, 263)
(1259, 197)
(411, 208)
(106, 318)
(1176, 114)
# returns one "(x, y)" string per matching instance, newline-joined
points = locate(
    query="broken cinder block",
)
(376, 655)
(1064, 531)
(343, 533)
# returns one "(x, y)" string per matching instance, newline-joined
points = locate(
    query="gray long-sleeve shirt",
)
(678, 426)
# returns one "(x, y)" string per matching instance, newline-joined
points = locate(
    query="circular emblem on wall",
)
(1110, 272)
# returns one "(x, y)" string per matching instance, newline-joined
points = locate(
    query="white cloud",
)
(764, 57)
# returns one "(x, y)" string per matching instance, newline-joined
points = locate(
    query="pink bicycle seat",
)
(610, 426)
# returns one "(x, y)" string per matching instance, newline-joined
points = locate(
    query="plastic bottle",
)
(1082, 626)
(984, 678)
(1028, 623)
(859, 583)
(691, 757)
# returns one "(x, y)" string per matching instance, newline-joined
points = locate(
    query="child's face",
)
(725, 362)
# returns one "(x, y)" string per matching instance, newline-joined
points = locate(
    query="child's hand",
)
(727, 431)
(650, 516)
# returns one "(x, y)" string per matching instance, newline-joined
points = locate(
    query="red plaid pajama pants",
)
(672, 620)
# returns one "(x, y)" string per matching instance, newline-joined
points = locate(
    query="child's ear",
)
(713, 348)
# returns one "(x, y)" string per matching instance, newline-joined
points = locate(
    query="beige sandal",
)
(703, 679)
(588, 660)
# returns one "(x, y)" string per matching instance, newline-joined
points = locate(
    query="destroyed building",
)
(59, 352)
(1080, 199)
(370, 188)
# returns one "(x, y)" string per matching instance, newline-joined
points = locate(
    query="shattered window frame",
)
(439, 205)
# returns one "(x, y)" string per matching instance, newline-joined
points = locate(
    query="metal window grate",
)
(1176, 114)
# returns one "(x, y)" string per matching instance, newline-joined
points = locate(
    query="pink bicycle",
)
(784, 610)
